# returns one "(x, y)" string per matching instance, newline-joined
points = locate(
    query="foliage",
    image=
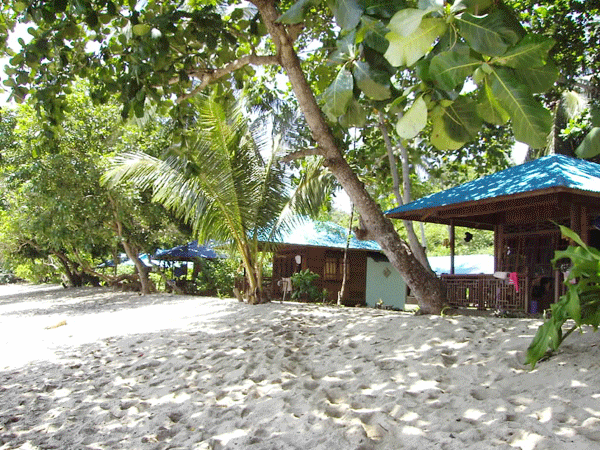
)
(581, 303)
(218, 276)
(37, 272)
(303, 283)
(148, 48)
(56, 210)
(574, 27)
(55, 204)
(442, 47)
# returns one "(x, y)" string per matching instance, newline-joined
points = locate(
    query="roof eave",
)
(431, 214)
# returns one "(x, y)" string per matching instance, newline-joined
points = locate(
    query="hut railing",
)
(486, 292)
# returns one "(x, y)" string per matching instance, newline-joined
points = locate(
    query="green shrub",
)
(581, 303)
(303, 284)
(217, 276)
(37, 272)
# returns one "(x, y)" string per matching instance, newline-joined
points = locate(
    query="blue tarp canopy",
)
(550, 175)
(187, 252)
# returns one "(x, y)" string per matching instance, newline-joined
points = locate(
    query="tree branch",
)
(208, 76)
(314, 151)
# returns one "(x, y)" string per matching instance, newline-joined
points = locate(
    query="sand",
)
(91, 368)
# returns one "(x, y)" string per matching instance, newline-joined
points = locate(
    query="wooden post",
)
(585, 225)
(557, 285)
(575, 213)
(452, 247)
(497, 248)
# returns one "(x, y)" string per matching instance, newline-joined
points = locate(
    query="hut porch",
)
(523, 205)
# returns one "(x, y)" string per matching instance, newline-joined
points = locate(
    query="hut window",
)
(331, 268)
(334, 268)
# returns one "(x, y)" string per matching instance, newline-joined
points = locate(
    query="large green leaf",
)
(405, 51)
(461, 120)
(491, 34)
(377, 62)
(141, 29)
(346, 49)
(489, 109)
(381, 8)
(440, 138)
(590, 146)
(531, 51)
(531, 121)
(347, 13)
(406, 21)
(296, 12)
(476, 7)
(339, 93)
(374, 83)
(355, 115)
(415, 119)
(449, 69)
(538, 79)
(372, 32)
(595, 113)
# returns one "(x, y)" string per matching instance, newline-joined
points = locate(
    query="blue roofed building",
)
(319, 247)
(522, 205)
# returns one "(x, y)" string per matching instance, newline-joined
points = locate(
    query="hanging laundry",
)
(513, 279)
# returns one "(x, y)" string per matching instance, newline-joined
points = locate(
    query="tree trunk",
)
(254, 294)
(426, 287)
(345, 266)
(142, 270)
(74, 278)
(413, 240)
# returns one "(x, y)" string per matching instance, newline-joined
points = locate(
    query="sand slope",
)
(176, 372)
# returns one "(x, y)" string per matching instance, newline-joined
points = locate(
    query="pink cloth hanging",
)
(513, 278)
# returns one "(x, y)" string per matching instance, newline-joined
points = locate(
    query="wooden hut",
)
(319, 247)
(523, 206)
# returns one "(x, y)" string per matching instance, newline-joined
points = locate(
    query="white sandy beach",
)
(124, 371)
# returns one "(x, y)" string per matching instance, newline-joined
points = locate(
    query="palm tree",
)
(222, 184)
(570, 105)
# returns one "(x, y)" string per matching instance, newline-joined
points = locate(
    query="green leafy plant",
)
(581, 303)
(303, 283)
(218, 277)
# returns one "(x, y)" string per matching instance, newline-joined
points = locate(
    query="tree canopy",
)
(157, 50)
(53, 204)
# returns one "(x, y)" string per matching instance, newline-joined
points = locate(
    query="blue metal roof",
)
(554, 171)
(324, 234)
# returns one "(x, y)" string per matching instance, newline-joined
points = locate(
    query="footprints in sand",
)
(302, 377)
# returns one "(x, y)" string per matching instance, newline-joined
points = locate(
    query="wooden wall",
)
(328, 264)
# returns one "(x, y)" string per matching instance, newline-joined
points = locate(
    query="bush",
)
(581, 303)
(217, 277)
(302, 283)
(37, 272)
